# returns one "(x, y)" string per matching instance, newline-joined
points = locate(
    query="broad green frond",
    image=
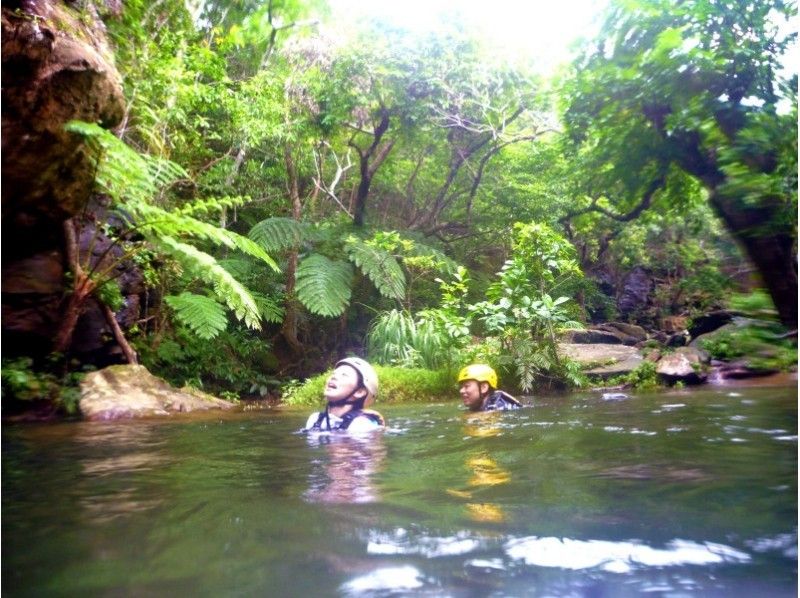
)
(240, 268)
(226, 287)
(379, 266)
(137, 178)
(277, 234)
(202, 315)
(123, 172)
(324, 285)
(448, 265)
(269, 308)
(212, 205)
(155, 222)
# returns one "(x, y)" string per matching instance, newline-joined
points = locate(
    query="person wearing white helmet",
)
(351, 387)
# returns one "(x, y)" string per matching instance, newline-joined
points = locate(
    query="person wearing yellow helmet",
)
(477, 385)
(352, 386)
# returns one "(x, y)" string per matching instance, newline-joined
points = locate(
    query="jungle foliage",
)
(419, 201)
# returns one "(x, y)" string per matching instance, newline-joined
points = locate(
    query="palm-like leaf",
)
(277, 234)
(226, 287)
(203, 315)
(379, 266)
(324, 285)
(133, 181)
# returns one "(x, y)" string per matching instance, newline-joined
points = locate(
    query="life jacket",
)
(347, 419)
(500, 400)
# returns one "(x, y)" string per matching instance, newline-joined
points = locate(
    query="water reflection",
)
(344, 473)
(484, 469)
(113, 459)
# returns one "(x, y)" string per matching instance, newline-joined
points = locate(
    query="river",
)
(675, 493)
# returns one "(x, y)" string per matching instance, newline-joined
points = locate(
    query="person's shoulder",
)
(312, 419)
(367, 420)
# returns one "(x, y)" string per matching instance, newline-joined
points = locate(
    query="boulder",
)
(130, 391)
(678, 339)
(637, 332)
(740, 369)
(603, 360)
(620, 331)
(57, 66)
(687, 364)
(673, 324)
(591, 336)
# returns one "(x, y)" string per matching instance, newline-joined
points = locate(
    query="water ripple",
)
(618, 557)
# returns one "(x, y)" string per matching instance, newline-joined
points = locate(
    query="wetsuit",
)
(500, 401)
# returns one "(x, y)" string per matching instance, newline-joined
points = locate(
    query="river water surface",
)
(679, 493)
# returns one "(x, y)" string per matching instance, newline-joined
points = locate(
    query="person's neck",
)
(341, 410)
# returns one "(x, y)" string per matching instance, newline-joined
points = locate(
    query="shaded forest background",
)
(273, 195)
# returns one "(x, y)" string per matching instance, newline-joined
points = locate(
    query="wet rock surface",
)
(130, 391)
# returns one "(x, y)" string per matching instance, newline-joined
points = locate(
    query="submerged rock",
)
(130, 391)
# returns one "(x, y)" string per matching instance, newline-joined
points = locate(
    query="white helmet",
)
(368, 376)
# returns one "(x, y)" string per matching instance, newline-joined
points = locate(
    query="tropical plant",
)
(396, 338)
(519, 308)
(135, 182)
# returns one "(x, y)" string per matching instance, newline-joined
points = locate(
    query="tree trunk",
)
(770, 249)
(289, 325)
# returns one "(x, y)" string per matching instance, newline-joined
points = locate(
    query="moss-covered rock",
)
(129, 391)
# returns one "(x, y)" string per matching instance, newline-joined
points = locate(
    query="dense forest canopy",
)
(300, 191)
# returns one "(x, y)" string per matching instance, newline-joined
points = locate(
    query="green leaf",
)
(323, 285)
(277, 234)
(202, 315)
(227, 289)
(379, 266)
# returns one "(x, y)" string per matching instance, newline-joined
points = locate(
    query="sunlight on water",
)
(618, 557)
(394, 579)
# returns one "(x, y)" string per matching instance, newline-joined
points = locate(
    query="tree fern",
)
(324, 285)
(446, 264)
(153, 221)
(379, 266)
(134, 181)
(227, 289)
(202, 315)
(122, 170)
(277, 234)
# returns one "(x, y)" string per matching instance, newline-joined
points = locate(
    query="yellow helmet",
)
(480, 372)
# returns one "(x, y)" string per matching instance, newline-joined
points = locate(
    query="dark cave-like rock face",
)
(56, 67)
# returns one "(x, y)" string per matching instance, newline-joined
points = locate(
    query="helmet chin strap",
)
(358, 404)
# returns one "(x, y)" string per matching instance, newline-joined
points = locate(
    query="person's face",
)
(342, 383)
(470, 391)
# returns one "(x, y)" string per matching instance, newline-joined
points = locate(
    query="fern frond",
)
(323, 285)
(240, 268)
(268, 307)
(124, 172)
(154, 222)
(379, 266)
(277, 234)
(212, 205)
(226, 287)
(202, 315)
